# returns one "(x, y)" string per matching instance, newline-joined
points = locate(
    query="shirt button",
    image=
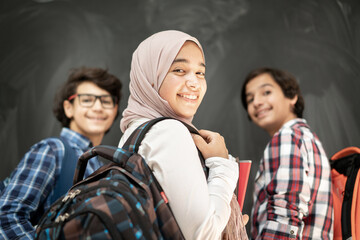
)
(291, 231)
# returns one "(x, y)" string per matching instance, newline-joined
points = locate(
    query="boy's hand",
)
(245, 219)
(210, 144)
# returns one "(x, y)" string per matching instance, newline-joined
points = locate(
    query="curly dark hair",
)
(285, 80)
(98, 76)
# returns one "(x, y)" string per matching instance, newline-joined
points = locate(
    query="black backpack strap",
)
(348, 166)
(132, 144)
(68, 165)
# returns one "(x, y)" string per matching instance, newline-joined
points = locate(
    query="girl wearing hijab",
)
(167, 78)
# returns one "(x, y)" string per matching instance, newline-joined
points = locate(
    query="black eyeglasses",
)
(88, 100)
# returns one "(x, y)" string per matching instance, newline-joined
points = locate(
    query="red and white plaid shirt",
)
(292, 198)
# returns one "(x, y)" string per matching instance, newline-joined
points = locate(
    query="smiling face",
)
(184, 85)
(91, 122)
(267, 105)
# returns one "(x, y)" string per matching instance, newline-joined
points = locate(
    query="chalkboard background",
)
(317, 41)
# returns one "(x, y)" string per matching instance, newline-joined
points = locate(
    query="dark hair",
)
(98, 76)
(285, 80)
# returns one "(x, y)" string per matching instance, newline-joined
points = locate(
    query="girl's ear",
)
(68, 109)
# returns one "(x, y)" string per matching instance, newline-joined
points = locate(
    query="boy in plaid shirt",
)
(292, 198)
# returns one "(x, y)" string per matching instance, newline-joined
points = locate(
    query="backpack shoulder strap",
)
(68, 165)
(132, 144)
(134, 141)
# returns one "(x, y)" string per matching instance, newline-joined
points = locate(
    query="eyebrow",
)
(262, 86)
(186, 61)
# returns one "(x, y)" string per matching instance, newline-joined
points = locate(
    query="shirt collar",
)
(293, 122)
(74, 137)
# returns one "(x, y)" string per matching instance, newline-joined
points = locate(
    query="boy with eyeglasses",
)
(86, 106)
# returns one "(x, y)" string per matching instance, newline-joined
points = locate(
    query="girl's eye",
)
(178, 70)
(202, 74)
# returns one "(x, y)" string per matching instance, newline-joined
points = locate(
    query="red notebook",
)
(244, 172)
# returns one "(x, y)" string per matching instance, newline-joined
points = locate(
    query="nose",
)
(257, 101)
(97, 104)
(193, 82)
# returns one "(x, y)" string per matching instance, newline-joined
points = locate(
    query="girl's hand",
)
(211, 144)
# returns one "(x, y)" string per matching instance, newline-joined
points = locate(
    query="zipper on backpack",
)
(62, 218)
(71, 195)
(103, 217)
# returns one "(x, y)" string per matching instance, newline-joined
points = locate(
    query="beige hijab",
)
(150, 64)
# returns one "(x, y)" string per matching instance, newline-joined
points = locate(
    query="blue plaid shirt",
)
(26, 197)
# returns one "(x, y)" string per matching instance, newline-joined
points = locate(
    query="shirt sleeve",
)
(287, 187)
(201, 206)
(30, 184)
(93, 165)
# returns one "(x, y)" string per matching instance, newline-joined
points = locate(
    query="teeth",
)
(97, 118)
(261, 112)
(192, 97)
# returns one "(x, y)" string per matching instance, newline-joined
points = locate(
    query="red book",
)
(244, 172)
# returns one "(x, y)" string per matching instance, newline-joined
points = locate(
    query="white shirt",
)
(201, 207)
